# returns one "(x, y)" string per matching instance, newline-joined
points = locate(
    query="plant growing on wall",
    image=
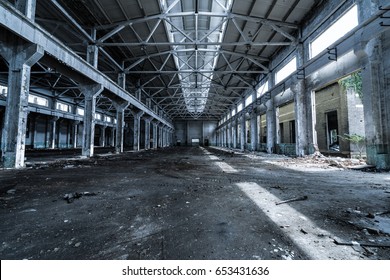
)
(354, 82)
(357, 140)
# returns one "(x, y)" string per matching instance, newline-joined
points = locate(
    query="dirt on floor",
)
(195, 203)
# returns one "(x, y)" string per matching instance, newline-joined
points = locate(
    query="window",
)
(107, 119)
(239, 107)
(233, 112)
(249, 100)
(262, 89)
(98, 116)
(62, 107)
(334, 32)
(38, 100)
(3, 90)
(80, 111)
(286, 71)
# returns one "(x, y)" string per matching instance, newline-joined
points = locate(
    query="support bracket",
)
(301, 74)
(332, 53)
(384, 17)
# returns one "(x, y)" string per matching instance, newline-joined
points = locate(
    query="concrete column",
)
(27, 7)
(376, 100)
(93, 52)
(90, 93)
(301, 108)
(160, 136)
(138, 91)
(54, 132)
(75, 133)
(271, 125)
(33, 128)
(122, 80)
(228, 135)
(234, 134)
(137, 129)
(155, 136)
(254, 131)
(147, 132)
(20, 57)
(120, 107)
(103, 135)
(243, 132)
(112, 139)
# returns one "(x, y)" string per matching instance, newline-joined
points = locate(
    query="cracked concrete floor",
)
(193, 203)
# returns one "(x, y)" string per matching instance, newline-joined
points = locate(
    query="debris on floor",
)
(292, 199)
(70, 197)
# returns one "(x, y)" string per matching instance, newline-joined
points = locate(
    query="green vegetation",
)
(357, 140)
(354, 82)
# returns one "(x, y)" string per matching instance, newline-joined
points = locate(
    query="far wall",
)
(185, 131)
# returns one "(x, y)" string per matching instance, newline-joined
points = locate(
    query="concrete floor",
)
(193, 203)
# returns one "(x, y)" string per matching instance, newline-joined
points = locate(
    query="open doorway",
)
(332, 131)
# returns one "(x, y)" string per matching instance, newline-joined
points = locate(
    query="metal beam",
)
(12, 20)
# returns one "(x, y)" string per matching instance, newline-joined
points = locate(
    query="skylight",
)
(196, 62)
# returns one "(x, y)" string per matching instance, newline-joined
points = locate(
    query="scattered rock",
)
(77, 244)
(29, 210)
(11, 191)
(70, 197)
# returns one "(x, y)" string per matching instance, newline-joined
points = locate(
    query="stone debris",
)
(292, 199)
(70, 197)
(11, 191)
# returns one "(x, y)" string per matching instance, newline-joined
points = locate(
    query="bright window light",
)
(38, 100)
(98, 116)
(239, 107)
(107, 119)
(62, 107)
(80, 111)
(262, 89)
(3, 90)
(249, 100)
(334, 32)
(286, 71)
(233, 112)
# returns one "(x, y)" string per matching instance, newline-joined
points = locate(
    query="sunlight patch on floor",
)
(317, 243)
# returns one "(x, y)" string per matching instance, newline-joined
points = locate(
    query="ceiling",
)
(192, 58)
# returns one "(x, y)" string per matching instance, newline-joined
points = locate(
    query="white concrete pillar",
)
(271, 126)
(301, 108)
(376, 100)
(20, 57)
(234, 133)
(155, 135)
(137, 129)
(147, 132)
(112, 138)
(103, 135)
(160, 136)
(90, 93)
(243, 132)
(120, 107)
(75, 133)
(254, 130)
(27, 7)
(93, 52)
(53, 132)
(122, 80)
(138, 91)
